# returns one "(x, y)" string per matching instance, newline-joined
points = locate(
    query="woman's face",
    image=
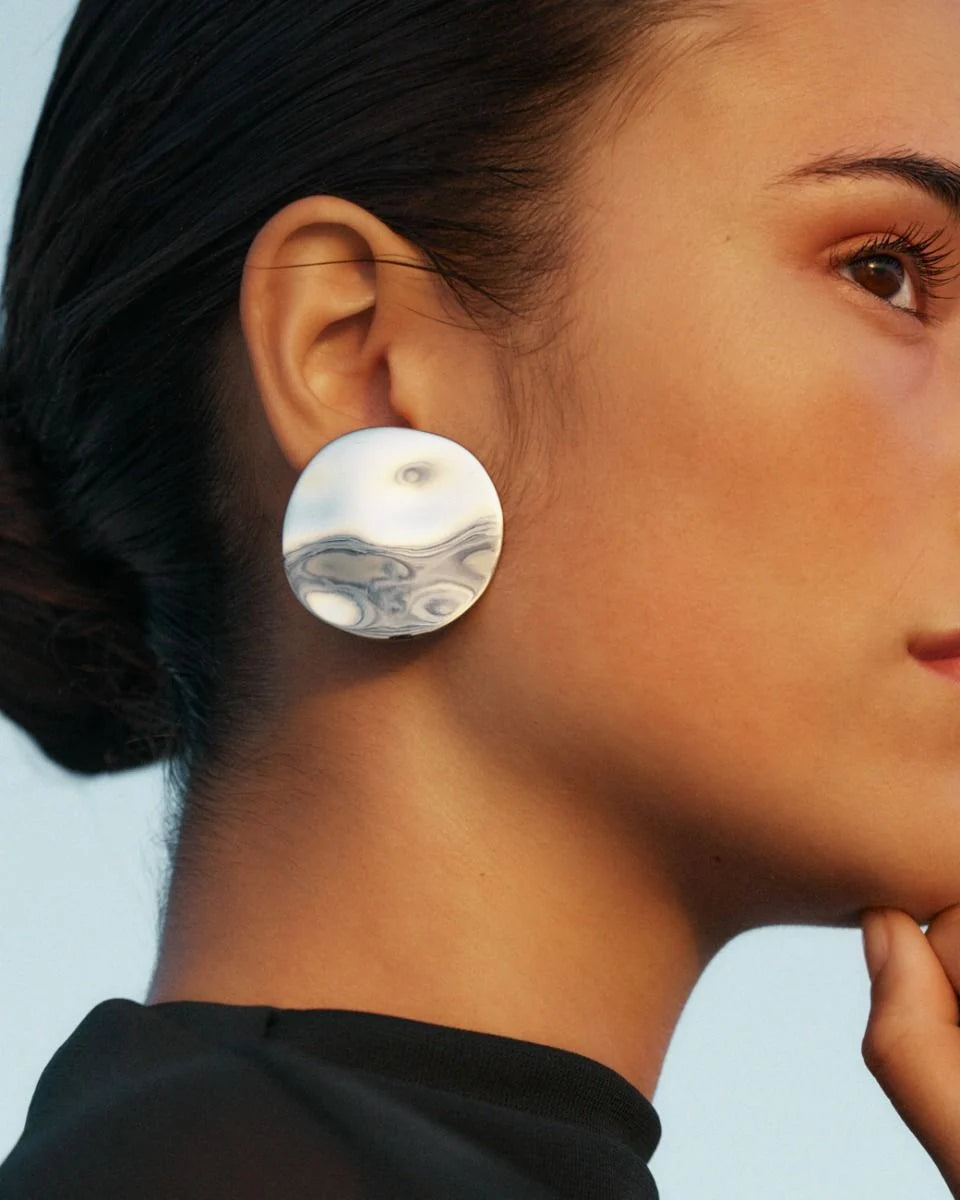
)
(754, 506)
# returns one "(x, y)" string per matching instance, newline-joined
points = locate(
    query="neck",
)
(404, 870)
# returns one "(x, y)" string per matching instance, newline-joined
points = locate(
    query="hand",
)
(912, 1042)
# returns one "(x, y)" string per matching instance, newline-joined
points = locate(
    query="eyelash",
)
(933, 263)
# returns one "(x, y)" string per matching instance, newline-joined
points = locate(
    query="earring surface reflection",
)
(392, 532)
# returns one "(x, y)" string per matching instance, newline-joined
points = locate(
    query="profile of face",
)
(763, 495)
(738, 501)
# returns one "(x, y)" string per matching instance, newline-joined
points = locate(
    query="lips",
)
(931, 647)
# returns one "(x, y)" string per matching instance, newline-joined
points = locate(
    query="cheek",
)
(761, 485)
(719, 595)
(769, 440)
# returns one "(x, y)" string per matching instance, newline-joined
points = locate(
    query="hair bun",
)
(77, 675)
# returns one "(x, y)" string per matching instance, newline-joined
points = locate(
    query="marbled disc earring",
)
(392, 532)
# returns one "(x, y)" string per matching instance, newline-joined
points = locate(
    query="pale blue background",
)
(764, 1095)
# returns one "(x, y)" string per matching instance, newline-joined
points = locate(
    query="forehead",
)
(745, 90)
(888, 65)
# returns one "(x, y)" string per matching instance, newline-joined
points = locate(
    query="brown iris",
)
(881, 273)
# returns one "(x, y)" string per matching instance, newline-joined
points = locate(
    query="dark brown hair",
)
(171, 132)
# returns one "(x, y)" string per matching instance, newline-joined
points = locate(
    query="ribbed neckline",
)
(529, 1077)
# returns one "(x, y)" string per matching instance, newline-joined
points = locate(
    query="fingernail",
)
(876, 941)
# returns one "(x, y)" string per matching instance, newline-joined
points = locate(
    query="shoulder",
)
(252, 1122)
(213, 1124)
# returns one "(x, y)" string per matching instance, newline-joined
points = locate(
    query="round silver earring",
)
(392, 532)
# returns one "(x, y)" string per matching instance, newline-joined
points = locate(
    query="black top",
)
(190, 1100)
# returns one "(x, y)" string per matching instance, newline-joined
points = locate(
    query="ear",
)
(321, 319)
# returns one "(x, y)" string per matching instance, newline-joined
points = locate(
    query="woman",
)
(669, 286)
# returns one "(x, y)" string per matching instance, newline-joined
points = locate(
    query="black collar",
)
(535, 1079)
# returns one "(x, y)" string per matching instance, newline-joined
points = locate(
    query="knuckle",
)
(884, 1048)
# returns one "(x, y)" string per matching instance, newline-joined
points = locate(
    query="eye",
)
(878, 268)
(887, 278)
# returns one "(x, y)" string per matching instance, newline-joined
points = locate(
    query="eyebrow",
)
(936, 177)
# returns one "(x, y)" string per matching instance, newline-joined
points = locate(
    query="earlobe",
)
(308, 307)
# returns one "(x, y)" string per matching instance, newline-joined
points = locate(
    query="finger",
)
(943, 934)
(912, 1041)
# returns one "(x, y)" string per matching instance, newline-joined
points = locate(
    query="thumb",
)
(912, 1041)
